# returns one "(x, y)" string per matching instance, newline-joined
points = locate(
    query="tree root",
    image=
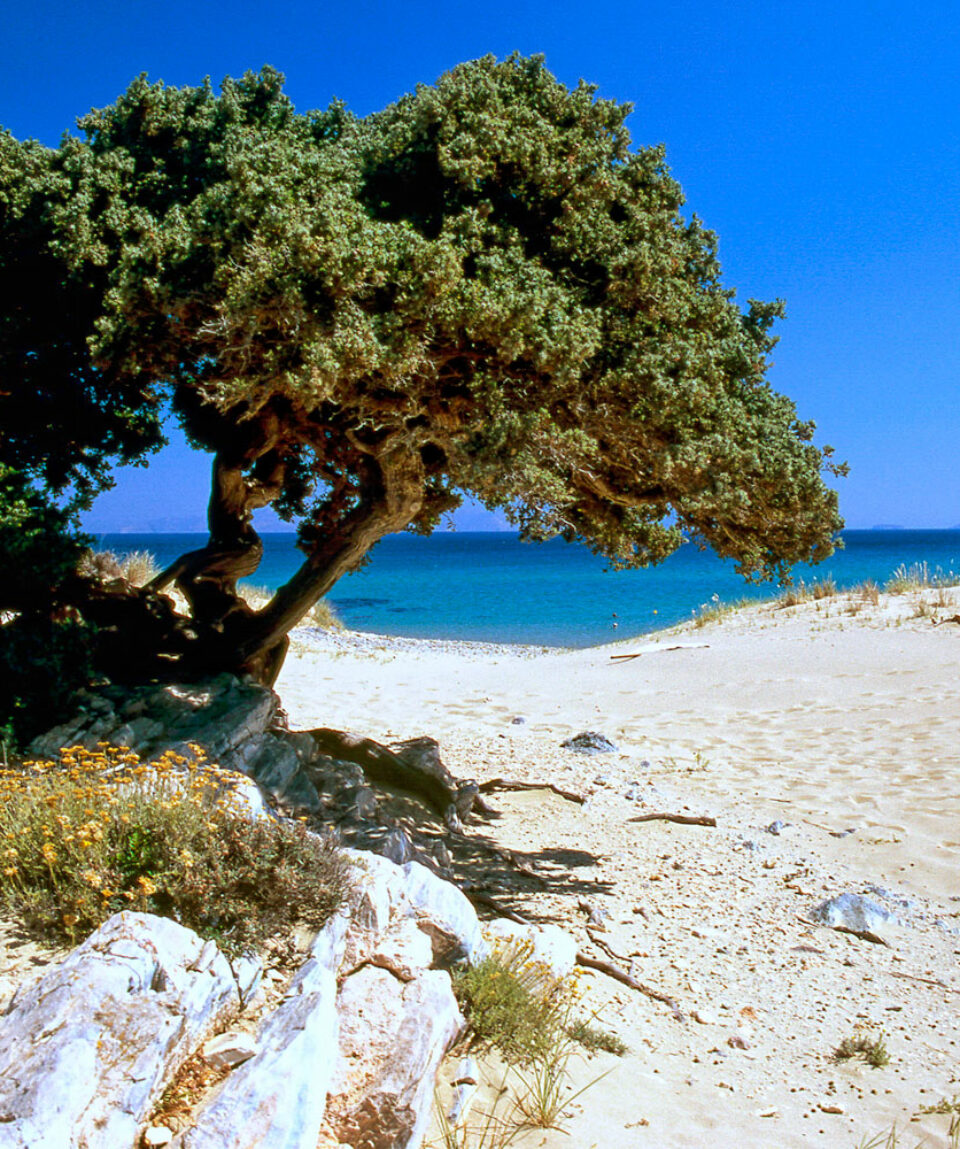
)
(414, 766)
(510, 784)
(624, 978)
(681, 819)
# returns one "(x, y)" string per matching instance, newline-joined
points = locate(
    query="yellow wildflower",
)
(146, 886)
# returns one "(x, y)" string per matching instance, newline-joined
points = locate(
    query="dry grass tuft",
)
(321, 614)
(872, 1049)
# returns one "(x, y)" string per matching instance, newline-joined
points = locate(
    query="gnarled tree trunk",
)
(226, 634)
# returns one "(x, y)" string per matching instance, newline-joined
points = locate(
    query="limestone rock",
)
(276, 1099)
(405, 951)
(392, 1039)
(377, 898)
(589, 742)
(855, 913)
(444, 912)
(86, 1050)
(228, 1050)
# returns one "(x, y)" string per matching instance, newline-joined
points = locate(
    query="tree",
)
(481, 288)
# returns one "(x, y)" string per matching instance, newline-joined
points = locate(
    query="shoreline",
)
(822, 739)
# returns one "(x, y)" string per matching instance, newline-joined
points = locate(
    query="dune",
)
(823, 739)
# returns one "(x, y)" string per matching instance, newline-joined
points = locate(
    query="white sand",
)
(827, 716)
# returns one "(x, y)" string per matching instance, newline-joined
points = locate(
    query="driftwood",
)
(924, 980)
(624, 978)
(583, 959)
(682, 819)
(864, 935)
(509, 784)
(641, 653)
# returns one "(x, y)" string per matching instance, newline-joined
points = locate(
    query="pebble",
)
(831, 1108)
(704, 1016)
(156, 1135)
(227, 1050)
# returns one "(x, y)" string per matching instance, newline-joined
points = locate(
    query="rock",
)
(235, 721)
(517, 720)
(776, 827)
(396, 846)
(704, 1017)
(553, 947)
(392, 1039)
(277, 1098)
(634, 792)
(853, 912)
(225, 715)
(443, 912)
(589, 742)
(86, 1050)
(242, 796)
(406, 951)
(738, 1041)
(228, 1050)
(156, 1135)
(365, 804)
(376, 898)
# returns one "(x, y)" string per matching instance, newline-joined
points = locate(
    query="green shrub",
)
(873, 1050)
(99, 832)
(514, 1003)
(594, 1037)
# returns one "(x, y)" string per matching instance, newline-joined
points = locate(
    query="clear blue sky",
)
(821, 140)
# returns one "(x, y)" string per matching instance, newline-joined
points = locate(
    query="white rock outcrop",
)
(85, 1051)
(393, 1036)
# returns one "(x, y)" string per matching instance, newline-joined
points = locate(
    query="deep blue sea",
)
(491, 587)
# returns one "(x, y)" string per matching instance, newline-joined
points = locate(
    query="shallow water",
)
(491, 587)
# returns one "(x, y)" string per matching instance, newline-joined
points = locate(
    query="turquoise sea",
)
(491, 587)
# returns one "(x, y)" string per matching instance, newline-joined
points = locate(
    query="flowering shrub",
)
(514, 1002)
(100, 831)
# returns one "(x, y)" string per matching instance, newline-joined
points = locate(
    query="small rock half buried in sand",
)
(853, 912)
(589, 742)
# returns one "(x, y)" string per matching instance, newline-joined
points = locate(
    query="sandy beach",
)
(823, 739)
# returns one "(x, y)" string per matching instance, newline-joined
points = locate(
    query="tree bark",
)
(224, 633)
(391, 498)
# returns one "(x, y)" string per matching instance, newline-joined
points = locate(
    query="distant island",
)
(888, 527)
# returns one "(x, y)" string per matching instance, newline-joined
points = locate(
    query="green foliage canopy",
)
(482, 288)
